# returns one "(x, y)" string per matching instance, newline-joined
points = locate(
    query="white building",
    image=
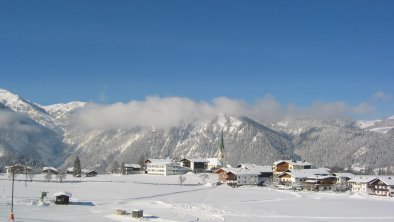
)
(214, 164)
(312, 179)
(238, 176)
(360, 184)
(343, 178)
(164, 167)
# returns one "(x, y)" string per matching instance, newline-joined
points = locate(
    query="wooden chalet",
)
(132, 168)
(17, 169)
(89, 173)
(319, 183)
(310, 179)
(238, 176)
(51, 170)
(382, 186)
(196, 165)
(283, 165)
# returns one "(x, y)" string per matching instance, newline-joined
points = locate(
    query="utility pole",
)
(12, 196)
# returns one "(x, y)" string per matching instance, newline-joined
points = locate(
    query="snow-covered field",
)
(162, 199)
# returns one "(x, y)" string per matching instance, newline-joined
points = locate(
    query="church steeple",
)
(221, 149)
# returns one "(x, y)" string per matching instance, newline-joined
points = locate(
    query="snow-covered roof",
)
(61, 193)
(256, 168)
(198, 160)
(133, 165)
(294, 162)
(85, 171)
(388, 180)
(18, 165)
(344, 175)
(50, 168)
(307, 173)
(239, 171)
(214, 162)
(362, 179)
(160, 161)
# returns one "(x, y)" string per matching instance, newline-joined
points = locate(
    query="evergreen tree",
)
(141, 162)
(122, 168)
(77, 171)
(115, 167)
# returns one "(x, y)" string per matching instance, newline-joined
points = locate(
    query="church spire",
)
(221, 148)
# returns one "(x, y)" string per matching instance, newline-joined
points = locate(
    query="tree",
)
(141, 162)
(31, 175)
(181, 179)
(122, 168)
(48, 176)
(61, 176)
(204, 177)
(77, 170)
(115, 167)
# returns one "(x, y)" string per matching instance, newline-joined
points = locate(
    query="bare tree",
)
(48, 176)
(31, 175)
(181, 179)
(61, 176)
(204, 177)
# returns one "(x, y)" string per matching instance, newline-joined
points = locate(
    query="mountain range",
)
(49, 136)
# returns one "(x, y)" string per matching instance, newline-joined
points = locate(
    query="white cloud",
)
(174, 111)
(381, 96)
(364, 107)
(15, 121)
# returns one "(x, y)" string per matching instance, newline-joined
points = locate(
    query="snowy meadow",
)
(163, 199)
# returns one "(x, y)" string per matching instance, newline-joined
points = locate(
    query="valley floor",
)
(163, 199)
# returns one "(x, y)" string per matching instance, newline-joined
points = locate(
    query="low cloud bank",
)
(174, 111)
(15, 121)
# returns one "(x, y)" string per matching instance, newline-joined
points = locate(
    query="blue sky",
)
(299, 52)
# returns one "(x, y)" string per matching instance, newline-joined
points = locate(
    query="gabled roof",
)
(388, 180)
(344, 175)
(133, 165)
(294, 162)
(50, 168)
(237, 171)
(315, 179)
(159, 161)
(256, 168)
(197, 160)
(306, 173)
(85, 171)
(214, 162)
(62, 193)
(362, 179)
(18, 166)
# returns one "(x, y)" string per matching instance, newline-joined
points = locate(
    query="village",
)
(293, 175)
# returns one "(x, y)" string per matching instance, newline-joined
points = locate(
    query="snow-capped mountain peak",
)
(62, 111)
(21, 105)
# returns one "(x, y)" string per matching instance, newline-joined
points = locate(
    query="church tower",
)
(221, 149)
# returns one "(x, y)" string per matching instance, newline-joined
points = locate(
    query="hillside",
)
(48, 134)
